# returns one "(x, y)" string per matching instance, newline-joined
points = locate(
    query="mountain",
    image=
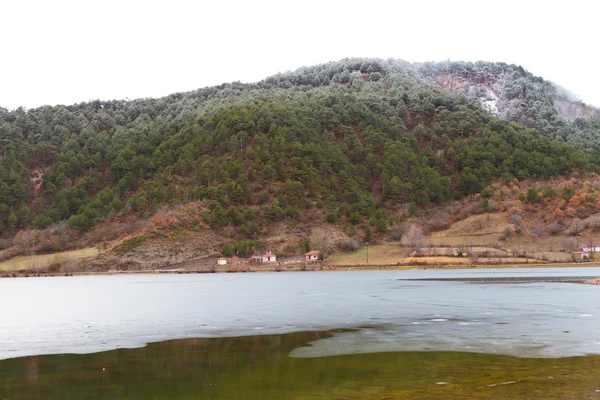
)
(348, 145)
(507, 91)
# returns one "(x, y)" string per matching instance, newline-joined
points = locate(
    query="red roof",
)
(313, 253)
(269, 255)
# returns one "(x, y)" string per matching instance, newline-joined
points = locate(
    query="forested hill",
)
(507, 91)
(350, 140)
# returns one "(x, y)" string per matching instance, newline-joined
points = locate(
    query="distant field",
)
(43, 260)
(462, 240)
(384, 254)
(390, 254)
(441, 260)
(556, 256)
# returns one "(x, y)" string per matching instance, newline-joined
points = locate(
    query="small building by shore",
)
(581, 255)
(269, 257)
(312, 256)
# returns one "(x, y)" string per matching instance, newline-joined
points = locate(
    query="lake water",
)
(392, 336)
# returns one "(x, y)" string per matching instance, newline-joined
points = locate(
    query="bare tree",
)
(570, 243)
(517, 221)
(592, 247)
(26, 240)
(322, 241)
(23, 240)
(537, 230)
(554, 228)
(413, 238)
(575, 227)
(508, 232)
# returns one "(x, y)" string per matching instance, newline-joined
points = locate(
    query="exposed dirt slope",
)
(571, 110)
(160, 249)
(483, 224)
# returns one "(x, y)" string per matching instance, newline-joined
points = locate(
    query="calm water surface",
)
(400, 339)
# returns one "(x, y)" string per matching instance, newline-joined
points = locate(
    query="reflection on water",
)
(259, 367)
(91, 314)
(403, 339)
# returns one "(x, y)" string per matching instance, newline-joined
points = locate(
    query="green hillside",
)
(354, 139)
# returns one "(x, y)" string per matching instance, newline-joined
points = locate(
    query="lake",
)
(354, 334)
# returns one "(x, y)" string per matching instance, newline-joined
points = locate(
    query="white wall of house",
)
(591, 249)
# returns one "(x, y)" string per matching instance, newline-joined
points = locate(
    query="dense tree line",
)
(352, 138)
(518, 95)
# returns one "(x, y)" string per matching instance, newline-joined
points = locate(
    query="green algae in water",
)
(259, 367)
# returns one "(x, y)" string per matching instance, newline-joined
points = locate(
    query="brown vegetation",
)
(550, 217)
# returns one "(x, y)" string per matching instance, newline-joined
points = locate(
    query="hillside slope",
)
(508, 91)
(352, 148)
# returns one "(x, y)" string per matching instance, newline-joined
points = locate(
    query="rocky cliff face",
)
(517, 98)
(571, 110)
(485, 91)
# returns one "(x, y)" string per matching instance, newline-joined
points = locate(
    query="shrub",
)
(532, 196)
(492, 206)
(331, 217)
(413, 237)
(354, 218)
(305, 244)
(549, 192)
(381, 225)
(508, 232)
(292, 212)
(467, 211)
(570, 243)
(368, 234)
(397, 231)
(42, 221)
(350, 245)
(567, 193)
(130, 244)
(273, 212)
(437, 221)
(245, 248)
(413, 211)
(575, 227)
(227, 250)
(487, 193)
(57, 262)
(554, 228)
(517, 221)
(593, 223)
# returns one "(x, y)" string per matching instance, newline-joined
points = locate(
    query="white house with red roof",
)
(269, 257)
(312, 256)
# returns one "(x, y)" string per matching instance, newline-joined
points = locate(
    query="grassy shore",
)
(313, 267)
(379, 257)
(391, 254)
(42, 261)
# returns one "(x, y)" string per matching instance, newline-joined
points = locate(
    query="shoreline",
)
(440, 373)
(233, 268)
(327, 332)
(181, 297)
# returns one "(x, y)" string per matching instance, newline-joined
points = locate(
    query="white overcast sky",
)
(64, 52)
